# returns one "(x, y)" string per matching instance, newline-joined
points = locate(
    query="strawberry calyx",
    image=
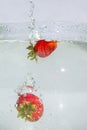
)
(32, 54)
(26, 110)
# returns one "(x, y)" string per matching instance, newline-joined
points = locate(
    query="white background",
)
(60, 10)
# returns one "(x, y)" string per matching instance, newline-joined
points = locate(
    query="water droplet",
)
(32, 8)
(16, 105)
(35, 90)
(40, 95)
(30, 88)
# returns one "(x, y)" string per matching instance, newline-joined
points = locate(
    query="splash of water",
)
(33, 35)
(30, 15)
(29, 86)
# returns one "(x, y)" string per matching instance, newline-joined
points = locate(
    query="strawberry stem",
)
(25, 110)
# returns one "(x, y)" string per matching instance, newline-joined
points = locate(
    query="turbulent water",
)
(61, 80)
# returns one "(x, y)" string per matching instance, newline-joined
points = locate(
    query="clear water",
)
(61, 79)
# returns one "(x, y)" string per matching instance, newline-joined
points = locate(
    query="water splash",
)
(34, 34)
(30, 15)
(29, 86)
(32, 6)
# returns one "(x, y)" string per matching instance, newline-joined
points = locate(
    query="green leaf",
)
(19, 114)
(32, 58)
(30, 47)
(30, 54)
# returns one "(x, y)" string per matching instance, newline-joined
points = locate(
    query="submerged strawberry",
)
(29, 107)
(42, 48)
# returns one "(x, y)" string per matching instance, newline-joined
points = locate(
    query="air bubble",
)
(27, 87)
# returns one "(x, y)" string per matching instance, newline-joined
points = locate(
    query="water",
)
(61, 81)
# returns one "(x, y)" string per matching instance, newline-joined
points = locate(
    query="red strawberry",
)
(29, 107)
(42, 48)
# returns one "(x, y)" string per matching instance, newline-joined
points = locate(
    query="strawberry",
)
(29, 107)
(42, 48)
